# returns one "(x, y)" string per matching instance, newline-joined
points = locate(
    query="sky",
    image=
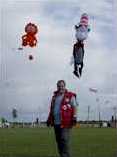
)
(28, 85)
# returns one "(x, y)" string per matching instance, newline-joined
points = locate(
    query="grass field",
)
(40, 142)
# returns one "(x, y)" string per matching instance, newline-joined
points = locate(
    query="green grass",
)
(40, 142)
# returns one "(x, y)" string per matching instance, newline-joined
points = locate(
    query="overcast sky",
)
(28, 85)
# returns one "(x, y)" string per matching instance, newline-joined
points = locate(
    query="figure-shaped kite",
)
(82, 30)
(29, 38)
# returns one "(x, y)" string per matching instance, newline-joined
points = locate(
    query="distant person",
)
(63, 116)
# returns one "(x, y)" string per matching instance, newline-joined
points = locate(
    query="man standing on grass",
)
(63, 116)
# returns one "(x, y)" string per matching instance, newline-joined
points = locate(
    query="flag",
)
(93, 90)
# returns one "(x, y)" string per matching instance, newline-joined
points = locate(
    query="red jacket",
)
(66, 111)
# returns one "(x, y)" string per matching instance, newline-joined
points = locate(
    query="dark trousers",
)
(62, 138)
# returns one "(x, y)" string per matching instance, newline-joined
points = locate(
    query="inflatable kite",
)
(82, 30)
(30, 37)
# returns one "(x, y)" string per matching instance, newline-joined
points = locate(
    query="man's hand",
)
(74, 120)
(47, 123)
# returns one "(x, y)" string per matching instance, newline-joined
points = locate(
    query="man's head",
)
(61, 86)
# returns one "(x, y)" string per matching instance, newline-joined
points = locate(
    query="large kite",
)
(29, 38)
(82, 30)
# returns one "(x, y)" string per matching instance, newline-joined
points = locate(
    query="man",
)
(62, 116)
(78, 53)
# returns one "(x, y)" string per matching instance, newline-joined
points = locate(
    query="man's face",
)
(61, 87)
